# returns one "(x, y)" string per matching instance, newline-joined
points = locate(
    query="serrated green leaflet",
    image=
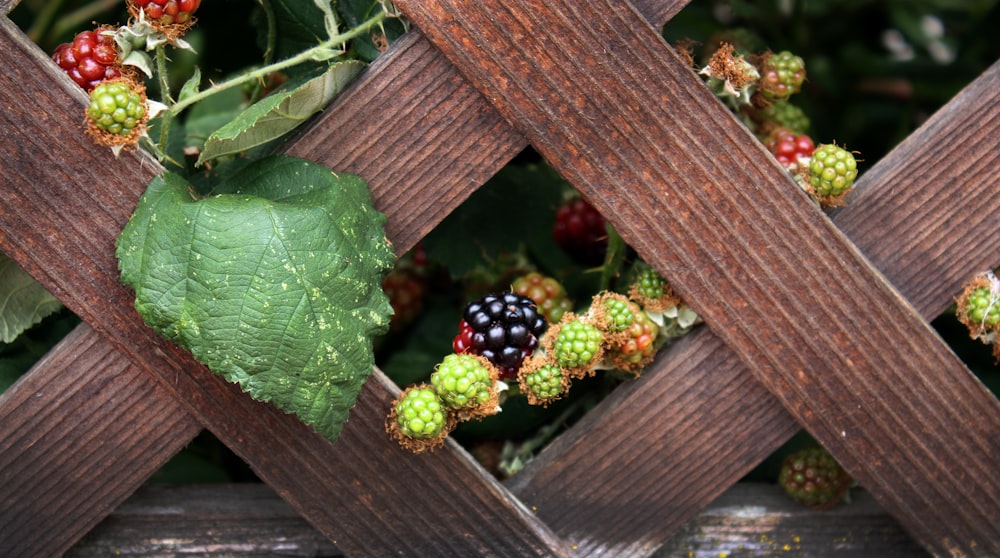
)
(279, 113)
(23, 302)
(275, 285)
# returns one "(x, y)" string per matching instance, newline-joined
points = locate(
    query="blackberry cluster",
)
(503, 328)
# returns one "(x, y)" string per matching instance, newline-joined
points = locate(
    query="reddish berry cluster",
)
(580, 231)
(169, 12)
(90, 58)
(788, 147)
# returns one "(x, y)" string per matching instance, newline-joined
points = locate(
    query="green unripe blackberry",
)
(982, 307)
(783, 114)
(117, 107)
(618, 312)
(466, 382)
(781, 75)
(577, 345)
(543, 384)
(832, 170)
(419, 419)
(421, 413)
(651, 291)
(978, 307)
(813, 477)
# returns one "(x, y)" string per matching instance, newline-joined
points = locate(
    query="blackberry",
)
(651, 290)
(90, 58)
(504, 328)
(781, 75)
(548, 293)
(832, 170)
(783, 114)
(576, 345)
(813, 477)
(467, 384)
(581, 232)
(543, 382)
(418, 419)
(978, 307)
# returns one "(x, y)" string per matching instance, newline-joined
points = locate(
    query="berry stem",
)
(317, 52)
(167, 116)
(614, 258)
(272, 38)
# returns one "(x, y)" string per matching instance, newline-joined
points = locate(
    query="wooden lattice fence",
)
(844, 349)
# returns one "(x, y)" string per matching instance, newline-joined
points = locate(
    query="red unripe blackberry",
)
(89, 59)
(406, 295)
(788, 147)
(503, 328)
(580, 231)
(168, 12)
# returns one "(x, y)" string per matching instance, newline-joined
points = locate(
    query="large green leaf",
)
(23, 302)
(275, 285)
(279, 113)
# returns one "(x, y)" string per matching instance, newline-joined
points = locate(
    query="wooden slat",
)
(757, 521)
(679, 462)
(86, 196)
(65, 463)
(751, 519)
(635, 130)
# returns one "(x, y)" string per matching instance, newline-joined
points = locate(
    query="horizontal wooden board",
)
(749, 520)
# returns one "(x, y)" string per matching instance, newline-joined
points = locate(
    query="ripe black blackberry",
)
(504, 328)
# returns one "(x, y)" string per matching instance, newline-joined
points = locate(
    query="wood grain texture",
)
(681, 462)
(86, 196)
(638, 134)
(758, 521)
(749, 520)
(65, 460)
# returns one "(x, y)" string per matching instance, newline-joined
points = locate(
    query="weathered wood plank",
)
(758, 521)
(251, 520)
(205, 520)
(635, 130)
(86, 196)
(677, 462)
(65, 462)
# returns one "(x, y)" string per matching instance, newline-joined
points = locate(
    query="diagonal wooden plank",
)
(85, 196)
(923, 237)
(65, 462)
(634, 129)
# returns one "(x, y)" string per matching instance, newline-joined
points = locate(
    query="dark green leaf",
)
(275, 285)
